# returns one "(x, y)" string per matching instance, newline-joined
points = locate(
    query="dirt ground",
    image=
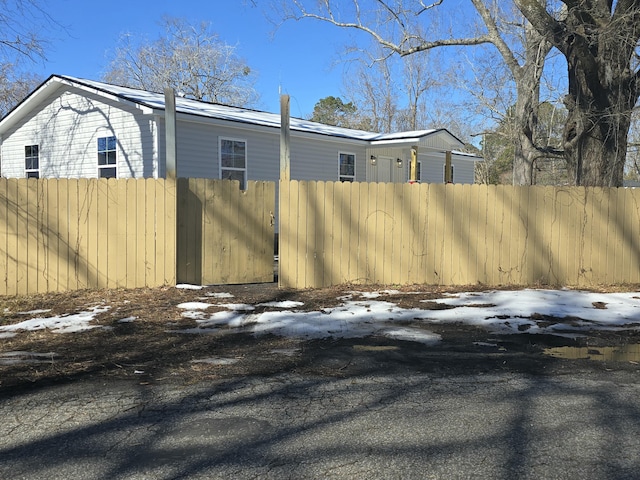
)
(147, 351)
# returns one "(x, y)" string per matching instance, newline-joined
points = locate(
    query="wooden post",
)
(285, 138)
(413, 169)
(285, 170)
(171, 155)
(171, 175)
(447, 168)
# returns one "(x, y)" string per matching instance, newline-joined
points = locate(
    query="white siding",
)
(66, 127)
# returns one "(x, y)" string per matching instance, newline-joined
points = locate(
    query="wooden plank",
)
(65, 270)
(333, 229)
(264, 199)
(93, 232)
(347, 199)
(229, 198)
(32, 235)
(250, 233)
(171, 229)
(420, 255)
(139, 233)
(74, 259)
(289, 228)
(632, 227)
(576, 238)
(465, 233)
(375, 233)
(186, 227)
(600, 228)
(3, 236)
(145, 247)
(122, 248)
(112, 212)
(245, 240)
(301, 250)
(319, 229)
(13, 241)
(370, 207)
(410, 228)
(621, 251)
(22, 237)
(397, 271)
(210, 249)
(482, 247)
(158, 198)
(351, 253)
(529, 201)
(129, 193)
(515, 236)
(440, 249)
(52, 235)
(491, 234)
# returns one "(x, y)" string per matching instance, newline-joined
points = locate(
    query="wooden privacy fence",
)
(69, 234)
(333, 233)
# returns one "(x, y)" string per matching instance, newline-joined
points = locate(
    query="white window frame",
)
(243, 183)
(444, 171)
(346, 178)
(29, 172)
(107, 150)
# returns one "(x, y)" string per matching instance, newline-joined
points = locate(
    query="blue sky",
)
(299, 57)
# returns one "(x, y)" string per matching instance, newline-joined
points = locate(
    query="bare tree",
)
(14, 86)
(599, 40)
(188, 58)
(419, 79)
(369, 85)
(23, 24)
(403, 27)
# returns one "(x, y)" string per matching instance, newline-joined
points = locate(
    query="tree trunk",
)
(595, 136)
(599, 41)
(525, 120)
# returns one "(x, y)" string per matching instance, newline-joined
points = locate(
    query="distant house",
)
(75, 128)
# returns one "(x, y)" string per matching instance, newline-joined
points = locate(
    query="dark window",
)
(32, 161)
(107, 160)
(347, 167)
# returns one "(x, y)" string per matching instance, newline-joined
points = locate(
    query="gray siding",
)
(311, 159)
(66, 127)
(433, 168)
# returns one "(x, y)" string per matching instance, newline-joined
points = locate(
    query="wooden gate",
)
(225, 235)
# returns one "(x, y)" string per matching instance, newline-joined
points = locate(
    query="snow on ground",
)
(78, 322)
(367, 313)
(501, 312)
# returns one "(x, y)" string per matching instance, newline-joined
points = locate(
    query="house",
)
(75, 128)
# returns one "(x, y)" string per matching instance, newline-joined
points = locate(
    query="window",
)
(444, 176)
(347, 167)
(107, 157)
(32, 161)
(233, 160)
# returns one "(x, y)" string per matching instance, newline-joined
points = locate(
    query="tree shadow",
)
(406, 411)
